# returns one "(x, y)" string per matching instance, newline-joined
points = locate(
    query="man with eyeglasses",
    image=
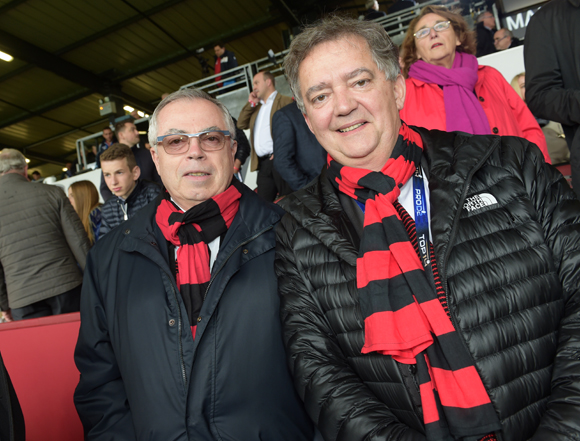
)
(504, 39)
(180, 335)
(484, 34)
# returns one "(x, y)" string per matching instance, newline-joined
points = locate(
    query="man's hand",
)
(254, 98)
(7, 316)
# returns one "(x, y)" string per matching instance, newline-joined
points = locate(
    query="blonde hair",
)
(86, 199)
(516, 84)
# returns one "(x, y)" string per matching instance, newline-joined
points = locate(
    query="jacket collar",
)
(134, 194)
(254, 215)
(13, 177)
(450, 160)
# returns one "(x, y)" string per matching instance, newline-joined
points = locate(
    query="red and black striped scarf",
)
(403, 316)
(192, 231)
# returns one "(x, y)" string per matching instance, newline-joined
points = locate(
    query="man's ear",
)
(308, 122)
(155, 157)
(234, 150)
(136, 172)
(400, 90)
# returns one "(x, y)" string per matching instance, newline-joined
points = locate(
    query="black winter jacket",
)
(512, 276)
(113, 211)
(143, 377)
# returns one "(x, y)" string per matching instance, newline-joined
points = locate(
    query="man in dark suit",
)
(484, 34)
(298, 156)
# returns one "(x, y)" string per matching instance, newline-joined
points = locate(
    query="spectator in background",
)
(121, 174)
(484, 34)
(257, 116)
(447, 90)
(36, 176)
(298, 156)
(553, 132)
(128, 135)
(504, 39)
(84, 198)
(43, 245)
(552, 59)
(243, 150)
(224, 60)
(69, 172)
(400, 5)
(108, 141)
(372, 12)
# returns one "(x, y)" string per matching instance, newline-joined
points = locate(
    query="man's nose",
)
(194, 149)
(344, 101)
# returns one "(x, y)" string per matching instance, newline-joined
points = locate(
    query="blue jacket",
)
(144, 377)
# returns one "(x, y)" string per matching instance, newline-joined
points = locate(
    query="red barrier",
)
(38, 354)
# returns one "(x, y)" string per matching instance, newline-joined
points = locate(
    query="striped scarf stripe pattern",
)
(404, 317)
(192, 231)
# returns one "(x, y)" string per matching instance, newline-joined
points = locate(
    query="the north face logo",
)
(479, 201)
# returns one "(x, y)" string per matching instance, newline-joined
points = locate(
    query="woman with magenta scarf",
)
(448, 90)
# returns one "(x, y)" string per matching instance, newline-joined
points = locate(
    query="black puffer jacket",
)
(512, 274)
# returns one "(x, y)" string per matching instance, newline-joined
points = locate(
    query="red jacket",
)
(506, 112)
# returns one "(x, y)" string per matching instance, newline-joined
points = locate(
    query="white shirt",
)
(263, 143)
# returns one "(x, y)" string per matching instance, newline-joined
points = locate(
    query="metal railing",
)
(395, 24)
(80, 144)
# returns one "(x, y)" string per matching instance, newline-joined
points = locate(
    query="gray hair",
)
(480, 17)
(192, 95)
(385, 54)
(11, 159)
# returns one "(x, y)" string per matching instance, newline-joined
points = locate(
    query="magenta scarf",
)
(464, 113)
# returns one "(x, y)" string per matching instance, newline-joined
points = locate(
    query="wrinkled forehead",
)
(353, 40)
(181, 115)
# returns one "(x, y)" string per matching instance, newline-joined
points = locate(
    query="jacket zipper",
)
(179, 332)
(230, 255)
(456, 221)
(179, 318)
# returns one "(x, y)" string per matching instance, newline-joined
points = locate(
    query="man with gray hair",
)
(180, 334)
(43, 245)
(429, 281)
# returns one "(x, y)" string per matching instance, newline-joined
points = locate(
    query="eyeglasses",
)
(497, 40)
(439, 27)
(209, 141)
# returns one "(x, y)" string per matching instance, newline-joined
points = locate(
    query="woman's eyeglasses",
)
(439, 27)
